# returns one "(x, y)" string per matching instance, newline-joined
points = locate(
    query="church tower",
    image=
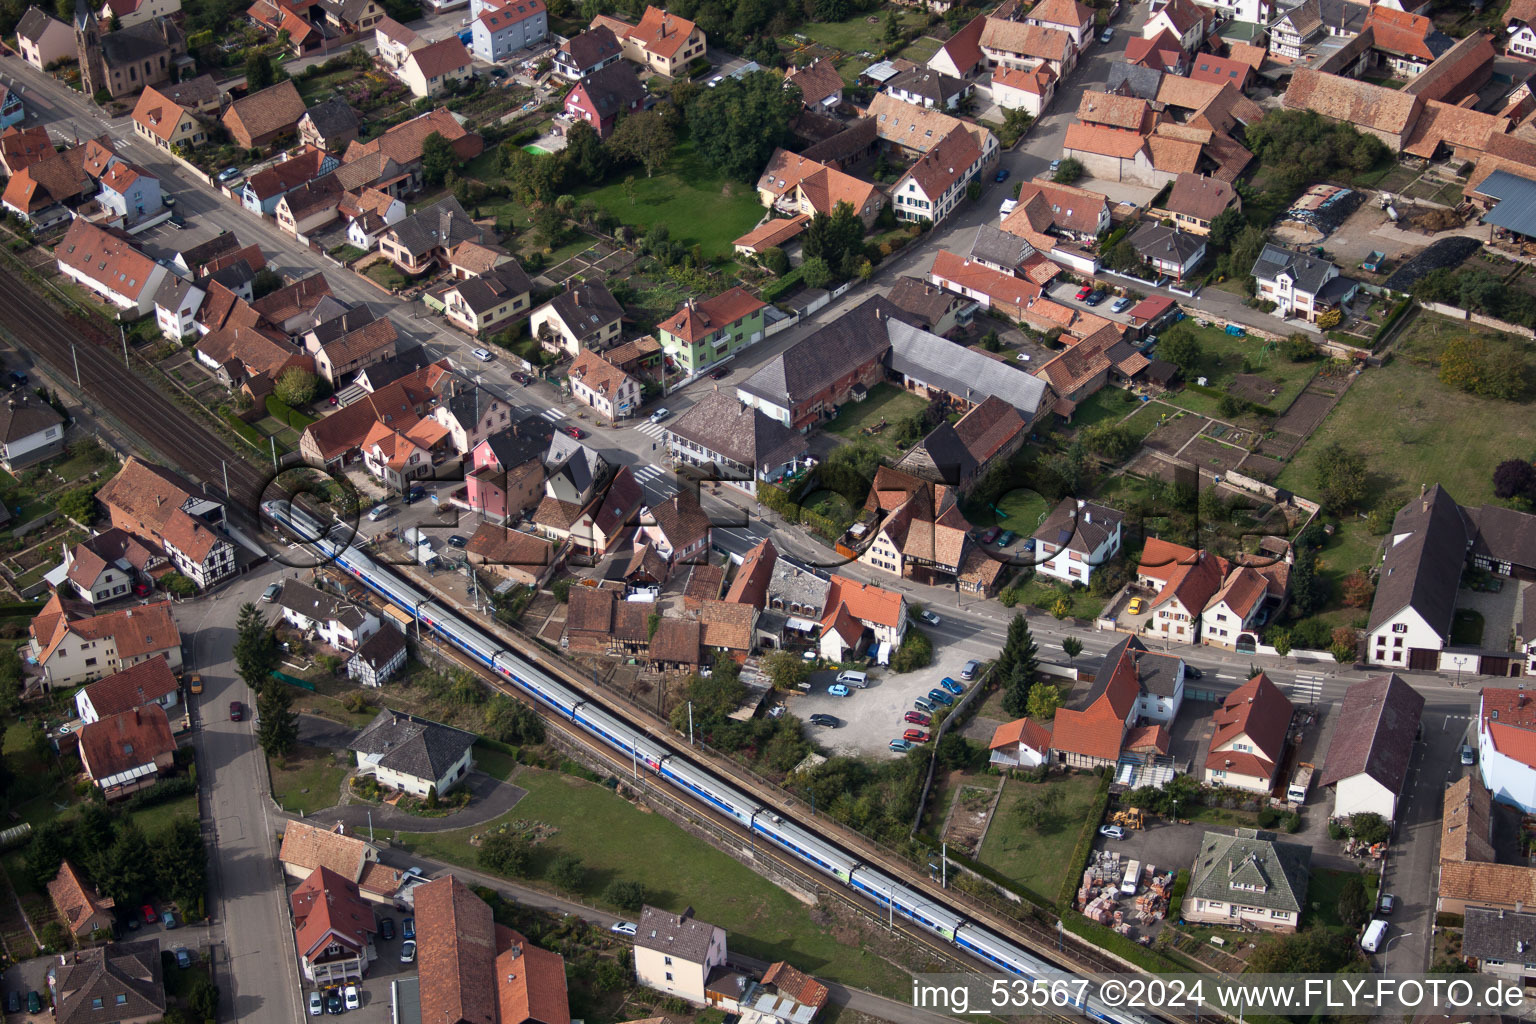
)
(93, 71)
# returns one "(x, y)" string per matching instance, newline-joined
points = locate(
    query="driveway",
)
(489, 798)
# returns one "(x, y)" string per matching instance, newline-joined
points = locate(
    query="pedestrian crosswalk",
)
(650, 429)
(1308, 687)
(553, 415)
(649, 474)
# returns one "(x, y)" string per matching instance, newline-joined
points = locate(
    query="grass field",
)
(1224, 356)
(1020, 512)
(885, 401)
(678, 871)
(307, 780)
(1035, 850)
(861, 32)
(1043, 592)
(1414, 430)
(1323, 893)
(1351, 547)
(387, 274)
(1107, 405)
(698, 205)
(494, 762)
(920, 49)
(159, 817)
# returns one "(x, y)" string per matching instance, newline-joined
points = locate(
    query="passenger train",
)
(890, 895)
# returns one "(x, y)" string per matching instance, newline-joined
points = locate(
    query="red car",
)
(722, 373)
(990, 535)
(234, 711)
(918, 718)
(576, 432)
(916, 735)
(149, 914)
(1083, 292)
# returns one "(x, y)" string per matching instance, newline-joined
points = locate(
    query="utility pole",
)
(123, 334)
(634, 756)
(226, 477)
(273, 439)
(690, 723)
(370, 824)
(76, 357)
(943, 865)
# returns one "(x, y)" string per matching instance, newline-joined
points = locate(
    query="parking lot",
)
(1065, 292)
(870, 717)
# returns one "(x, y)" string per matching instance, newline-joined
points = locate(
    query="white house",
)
(603, 387)
(1415, 600)
(854, 609)
(31, 430)
(1372, 744)
(395, 42)
(413, 755)
(934, 185)
(176, 304)
(1068, 16)
(1520, 28)
(1171, 252)
(1299, 285)
(148, 682)
(1506, 726)
(677, 528)
(1030, 91)
(1023, 743)
(152, 502)
(1076, 538)
(106, 262)
(72, 646)
(1184, 580)
(336, 621)
(1248, 747)
(378, 658)
(333, 928)
(674, 953)
(1231, 617)
(1182, 19)
(1161, 680)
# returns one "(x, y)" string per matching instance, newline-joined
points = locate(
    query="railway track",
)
(65, 342)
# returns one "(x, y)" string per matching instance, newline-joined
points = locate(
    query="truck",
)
(1301, 782)
(1132, 879)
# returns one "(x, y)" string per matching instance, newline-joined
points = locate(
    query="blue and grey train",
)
(892, 896)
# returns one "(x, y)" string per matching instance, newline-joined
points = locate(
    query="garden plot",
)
(969, 814)
(1252, 388)
(1175, 432)
(571, 267)
(1153, 466)
(1212, 456)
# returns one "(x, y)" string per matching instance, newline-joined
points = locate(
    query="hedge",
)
(19, 608)
(163, 791)
(1398, 312)
(247, 433)
(1107, 938)
(285, 413)
(1176, 897)
(1084, 849)
(784, 285)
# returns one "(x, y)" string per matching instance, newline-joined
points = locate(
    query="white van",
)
(1131, 881)
(857, 680)
(1374, 933)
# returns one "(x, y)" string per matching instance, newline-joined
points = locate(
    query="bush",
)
(561, 589)
(625, 895)
(505, 854)
(287, 414)
(247, 433)
(916, 651)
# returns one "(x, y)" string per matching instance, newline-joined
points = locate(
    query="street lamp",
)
(1388, 949)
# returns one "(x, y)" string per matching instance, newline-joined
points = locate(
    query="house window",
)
(669, 973)
(1399, 627)
(668, 961)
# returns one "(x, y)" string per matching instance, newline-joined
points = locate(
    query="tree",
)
(1369, 827)
(78, 504)
(255, 650)
(1484, 368)
(1229, 223)
(1181, 348)
(1017, 686)
(1514, 478)
(646, 139)
(549, 225)
(833, 237)
(815, 273)
(1344, 645)
(1281, 642)
(892, 27)
(566, 872)
(1308, 590)
(1341, 476)
(1124, 259)
(511, 721)
(295, 387)
(915, 652)
(629, 189)
(737, 125)
(437, 159)
(1019, 648)
(203, 997)
(181, 865)
(625, 895)
(1044, 699)
(278, 728)
(505, 854)
(1354, 903)
(1358, 590)
(1070, 170)
(265, 282)
(1061, 608)
(1071, 646)
(786, 670)
(125, 872)
(1114, 441)
(258, 72)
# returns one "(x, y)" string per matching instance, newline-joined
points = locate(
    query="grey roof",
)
(522, 441)
(34, 23)
(1427, 547)
(1504, 535)
(387, 371)
(928, 84)
(412, 746)
(1153, 240)
(127, 969)
(1253, 869)
(1499, 935)
(592, 47)
(205, 252)
(470, 405)
(444, 224)
(941, 457)
(234, 277)
(721, 424)
(586, 308)
(614, 89)
(1158, 673)
(1309, 272)
(1516, 208)
(140, 42)
(881, 71)
(317, 604)
(1078, 525)
(1373, 733)
(994, 245)
(381, 648)
(24, 414)
(569, 458)
(494, 287)
(815, 362)
(927, 303)
(792, 582)
(960, 371)
(172, 291)
(678, 935)
(332, 117)
(194, 92)
(348, 320)
(1343, 16)
(1133, 80)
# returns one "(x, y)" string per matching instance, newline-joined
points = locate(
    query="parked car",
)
(660, 414)
(575, 432)
(826, 721)
(183, 958)
(414, 493)
(971, 668)
(808, 656)
(408, 951)
(13, 1001)
(1468, 755)
(1121, 304)
(408, 928)
(387, 927)
(777, 711)
(150, 917)
(623, 928)
(522, 378)
(34, 1003)
(1083, 292)
(457, 542)
(1107, 35)
(168, 919)
(316, 1004)
(1112, 831)
(1096, 297)
(929, 617)
(952, 686)
(923, 704)
(1137, 606)
(989, 535)
(1385, 904)
(353, 998)
(838, 690)
(1192, 672)
(916, 735)
(721, 374)
(195, 683)
(333, 1004)
(1001, 175)
(901, 746)
(716, 81)
(1007, 538)
(378, 512)
(1055, 166)
(270, 594)
(918, 718)
(481, 354)
(941, 697)
(229, 174)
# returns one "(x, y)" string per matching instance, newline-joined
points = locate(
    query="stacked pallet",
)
(1102, 873)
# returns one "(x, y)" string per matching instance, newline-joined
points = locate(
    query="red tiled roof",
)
(1098, 730)
(76, 900)
(1222, 70)
(661, 33)
(796, 984)
(951, 268)
(274, 109)
(1023, 730)
(1400, 32)
(697, 320)
(773, 232)
(530, 982)
(133, 687)
(125, 741)
(753, 576)
(864, 601)
(456, 953)
(327, 907)
(1101, 141)
(139, 631)
(105, 256)
(1259, 711)
(22, 147)
(444, 56)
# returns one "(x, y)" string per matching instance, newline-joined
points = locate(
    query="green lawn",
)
(920, 49)
(387, 274)
(159, 817)
(1035, 850)
(696, 202)
(1351, 547)
(1224, 356)
(1107, 405)
(860, 32)
(1414, 430)
(1323, 893)
(885, 402)
(494, 762)
(1042, 592)
(307, 779)
(1017, 510)
(678, 871)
